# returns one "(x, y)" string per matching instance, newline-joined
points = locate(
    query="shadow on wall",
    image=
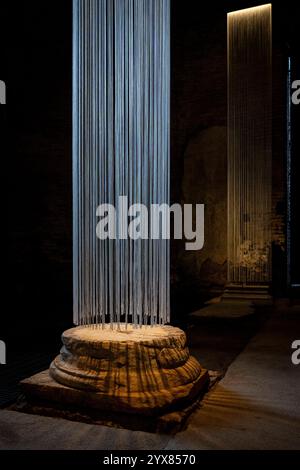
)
(205, 181)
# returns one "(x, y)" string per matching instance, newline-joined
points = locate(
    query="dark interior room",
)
(228, 94)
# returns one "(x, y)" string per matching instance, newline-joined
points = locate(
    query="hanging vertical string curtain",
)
(249, 145)
(121, 89)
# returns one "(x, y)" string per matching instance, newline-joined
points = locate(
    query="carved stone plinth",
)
(126, 369)
(255, 294)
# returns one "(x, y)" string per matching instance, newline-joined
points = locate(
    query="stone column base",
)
(257, 294)
(127, 369)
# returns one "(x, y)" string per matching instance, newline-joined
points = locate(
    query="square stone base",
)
(44, 396)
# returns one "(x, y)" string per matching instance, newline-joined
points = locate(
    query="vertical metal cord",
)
(249, 46)
(121, 126)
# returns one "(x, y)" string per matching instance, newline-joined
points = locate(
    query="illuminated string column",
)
(249, 145)
(120, 147)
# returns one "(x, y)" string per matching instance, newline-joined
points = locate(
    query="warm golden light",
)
(249, 37)
(250, 10)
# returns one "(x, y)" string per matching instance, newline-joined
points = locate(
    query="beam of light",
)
(249, 36)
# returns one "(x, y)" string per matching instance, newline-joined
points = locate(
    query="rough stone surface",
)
(46, 397)
(205, 157)
(256, 406)
(145, 369)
